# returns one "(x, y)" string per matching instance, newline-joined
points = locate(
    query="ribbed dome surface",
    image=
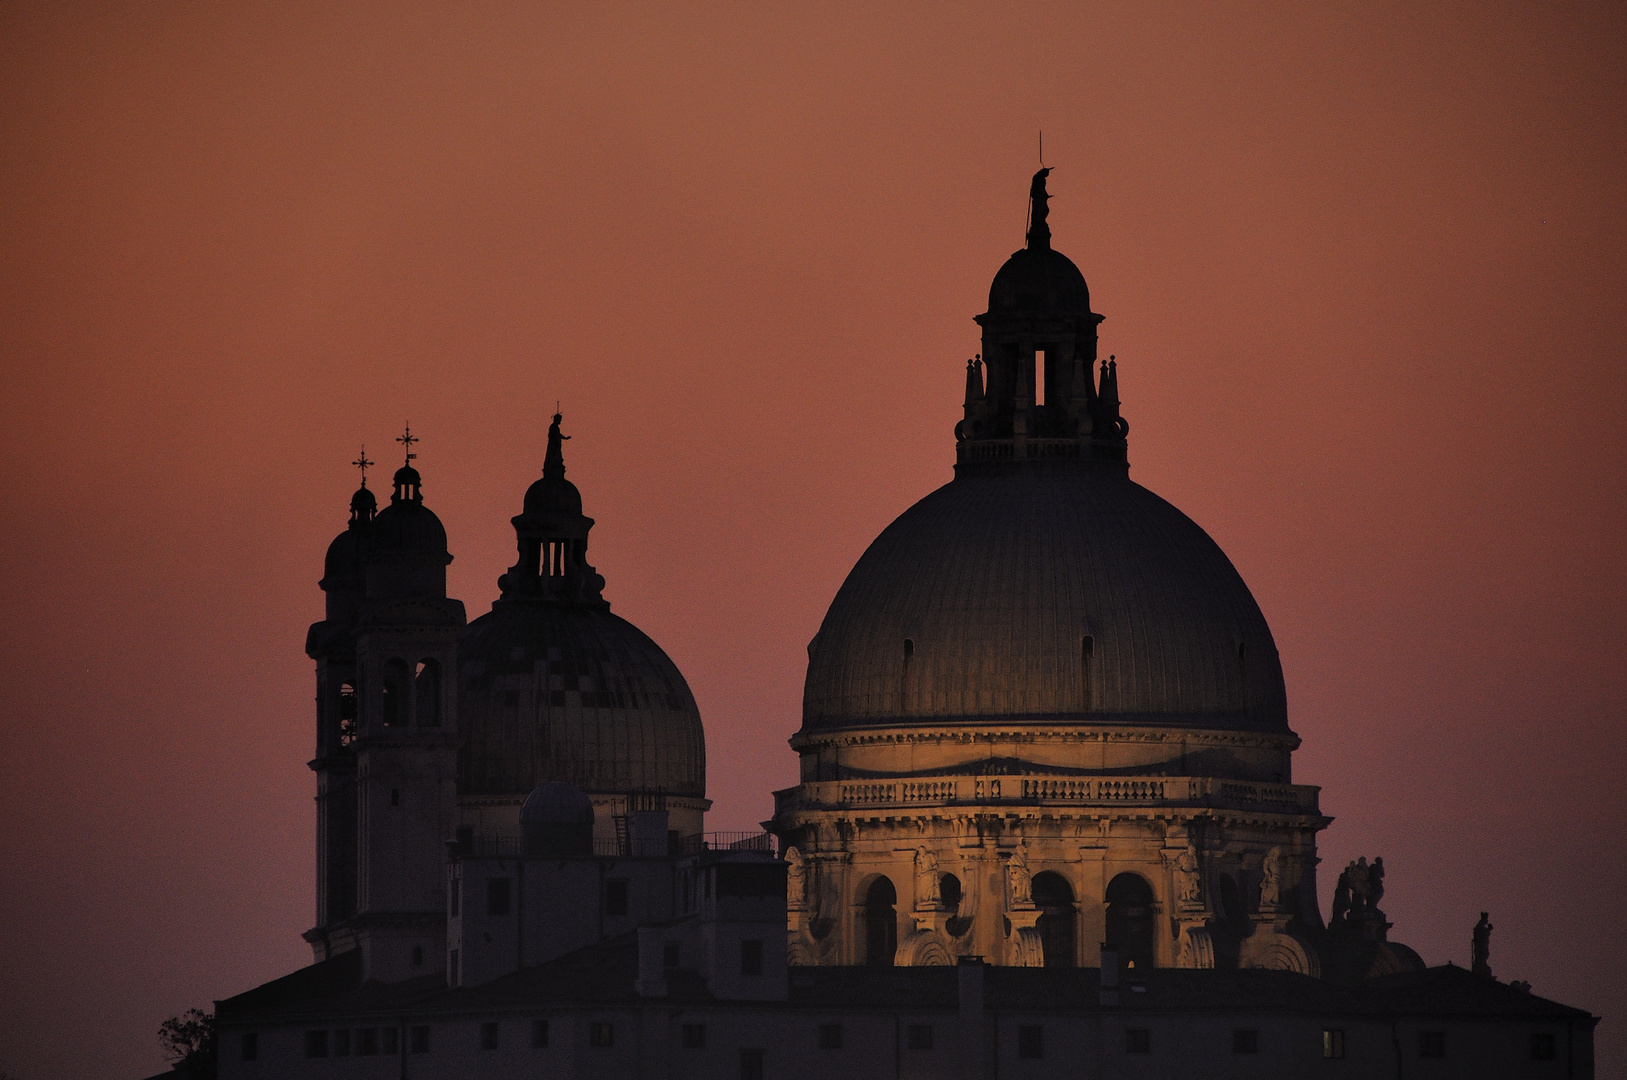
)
(551, 691)
(996, 582)
(1040, 281)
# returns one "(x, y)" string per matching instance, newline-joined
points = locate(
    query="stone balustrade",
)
(1205, 791)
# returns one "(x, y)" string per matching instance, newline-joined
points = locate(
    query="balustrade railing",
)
(1206, 790)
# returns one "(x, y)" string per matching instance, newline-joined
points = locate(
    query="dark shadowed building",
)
(1047, 823)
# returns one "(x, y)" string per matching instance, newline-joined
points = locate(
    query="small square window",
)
(1542, 1046)
(751, 957)
(670, 954)
(420, 1038)
(1138, 1040)
(615, 898)
(1333, 1043)
(694, 1037)
(830, 1036)
(251, 1046)
(488, 1035)
(389, 1040)
(1432, 1044)
(1245, 1041)
(497, 896)
(341, 1043)
(539, 1034)
(316, 1044)
(367, 1041)
(601, 1034)
(1030, 1041)
(920, 1036)
(751, 1064)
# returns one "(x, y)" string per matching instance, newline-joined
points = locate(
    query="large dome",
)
(1070, 597)
(549, 691)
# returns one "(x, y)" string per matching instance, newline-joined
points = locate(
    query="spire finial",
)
(406, 439)
(1039, 233)
(553, 465)
(363, 464)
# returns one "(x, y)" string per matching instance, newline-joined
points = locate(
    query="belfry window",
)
(396, 681)
(427, 687)
(347, 714)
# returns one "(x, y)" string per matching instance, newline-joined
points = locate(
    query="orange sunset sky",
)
(1363, 269)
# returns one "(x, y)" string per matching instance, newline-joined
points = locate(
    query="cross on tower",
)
(362, 463)
(406, 439)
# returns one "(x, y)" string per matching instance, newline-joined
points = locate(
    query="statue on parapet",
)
(1480, 953)
(1039, 233)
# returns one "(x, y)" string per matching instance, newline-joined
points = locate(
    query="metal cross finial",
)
(362, 463)
(406, 439)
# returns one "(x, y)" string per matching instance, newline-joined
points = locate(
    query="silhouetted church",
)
(1047, 823)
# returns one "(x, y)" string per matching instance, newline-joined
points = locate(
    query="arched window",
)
(1059, 918)
(427, 685)
(1130, 920)
(880, 923)
(397, 682)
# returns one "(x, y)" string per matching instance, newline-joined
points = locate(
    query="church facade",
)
(1046, 825)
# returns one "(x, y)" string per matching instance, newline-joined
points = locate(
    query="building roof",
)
(602, 976)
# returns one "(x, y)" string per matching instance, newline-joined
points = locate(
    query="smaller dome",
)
(343, 564)
(556, 822)
(552, 495)
(1039, 281)
(363, 505)
(554, 802)
(407, 529)
(407, 476)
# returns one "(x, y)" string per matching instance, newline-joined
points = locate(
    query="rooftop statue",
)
(1039, 233)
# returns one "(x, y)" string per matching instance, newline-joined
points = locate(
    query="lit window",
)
(1333, 1043)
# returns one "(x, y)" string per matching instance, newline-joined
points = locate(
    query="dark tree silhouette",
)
(189, 1042)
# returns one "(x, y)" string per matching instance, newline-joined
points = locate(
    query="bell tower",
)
(332, 644)
(404, 740)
